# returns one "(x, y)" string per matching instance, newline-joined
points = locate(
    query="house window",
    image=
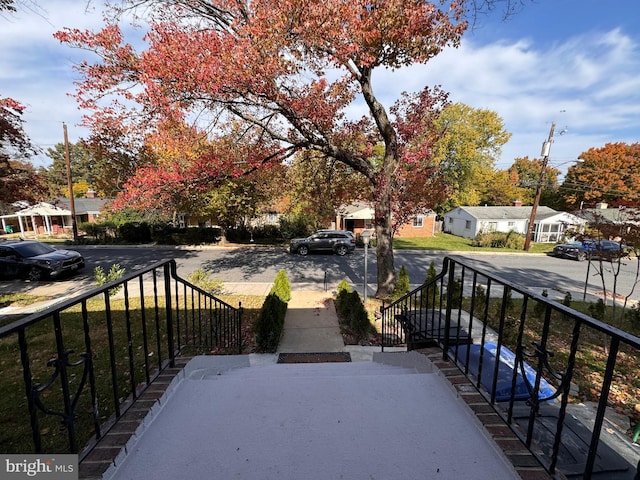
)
(511, 224)
(467, 224)
(418, 221)
(450, 219)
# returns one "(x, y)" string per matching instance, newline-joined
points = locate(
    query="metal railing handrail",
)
(470, 314)
(138, 341)
(592, 322)
(64, 304)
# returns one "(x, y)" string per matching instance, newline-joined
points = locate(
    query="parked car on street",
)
(337, 241)
(32, 260)
(589, 249)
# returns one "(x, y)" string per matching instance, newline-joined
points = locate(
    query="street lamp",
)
(366, 236)
(546, 148)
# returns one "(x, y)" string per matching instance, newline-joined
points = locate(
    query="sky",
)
(575, 63)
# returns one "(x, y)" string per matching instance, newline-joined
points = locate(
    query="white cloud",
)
(590, 83)
(37, 70)
(593, 76)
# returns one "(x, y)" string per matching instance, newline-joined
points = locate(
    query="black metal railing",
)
(551, 372)
(72, 370)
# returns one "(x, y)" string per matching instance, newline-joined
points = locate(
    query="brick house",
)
(359, 216)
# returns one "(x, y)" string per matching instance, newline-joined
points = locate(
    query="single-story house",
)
(359, 216)
(549, 226)
(52, 218)
(617, 215)
(88, 209)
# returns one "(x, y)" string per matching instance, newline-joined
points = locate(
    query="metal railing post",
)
(169, 270)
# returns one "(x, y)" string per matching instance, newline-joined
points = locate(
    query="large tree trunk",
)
(383, 187)
(384, 248)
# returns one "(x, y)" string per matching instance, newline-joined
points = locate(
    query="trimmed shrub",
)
(268, 326)
(267, 233)
(480, 301)
(168, 235)
(432, 293)
(99, 232)
(597, 310)
(135, 232)
(342, 304)
(509, 239)
(402, 284)
(456, 293)
(281, 287)
(633, 314)
(237, 234)
(353, 316)
(566, 301)
(540, 308)
(508, 301)
(343, 285)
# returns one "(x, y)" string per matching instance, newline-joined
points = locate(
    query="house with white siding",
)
(549, 226)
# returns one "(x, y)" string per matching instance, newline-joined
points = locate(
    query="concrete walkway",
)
(311, 324)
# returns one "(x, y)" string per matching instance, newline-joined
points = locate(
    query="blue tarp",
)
(505, 371)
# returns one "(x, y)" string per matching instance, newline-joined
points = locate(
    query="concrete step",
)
(307, 370)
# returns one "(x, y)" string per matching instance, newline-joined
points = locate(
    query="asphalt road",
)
(261, 264)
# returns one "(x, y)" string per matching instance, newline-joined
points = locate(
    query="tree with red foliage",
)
(282, 73)
(18, 178)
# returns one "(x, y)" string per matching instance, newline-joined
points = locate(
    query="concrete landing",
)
(354, 421)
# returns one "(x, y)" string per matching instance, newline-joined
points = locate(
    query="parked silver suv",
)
(337, 241)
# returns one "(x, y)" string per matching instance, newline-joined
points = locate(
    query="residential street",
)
(260, 264)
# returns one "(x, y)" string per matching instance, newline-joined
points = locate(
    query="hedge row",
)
(352, 313)
(143, 232)
(163, 233)
(510, 239)
(268, 327)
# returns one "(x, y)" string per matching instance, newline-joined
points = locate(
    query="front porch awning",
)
(43, 210)
(357, 212)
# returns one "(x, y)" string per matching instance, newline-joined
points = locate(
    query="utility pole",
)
(546, 148)
(72, 205)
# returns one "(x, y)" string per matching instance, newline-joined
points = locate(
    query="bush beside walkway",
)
(268, 327)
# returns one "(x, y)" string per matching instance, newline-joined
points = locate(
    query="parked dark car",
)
(589, 248)
(34, 261)
(337, 241)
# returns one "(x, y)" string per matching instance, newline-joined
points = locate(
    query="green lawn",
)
(15, 434)
(453, 243)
